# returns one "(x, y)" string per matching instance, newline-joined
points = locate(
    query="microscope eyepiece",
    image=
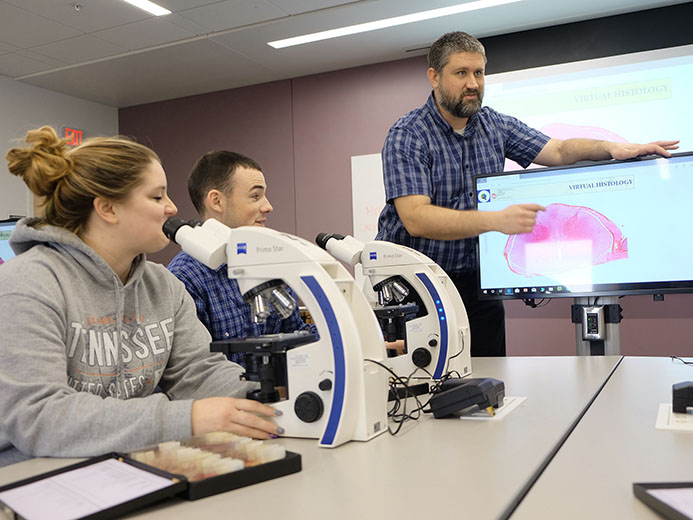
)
(172, 225)
(322, 238)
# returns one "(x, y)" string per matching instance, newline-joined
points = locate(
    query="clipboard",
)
(65, 493)
(671, 500)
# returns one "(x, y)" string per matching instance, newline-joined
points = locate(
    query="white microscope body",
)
(394, 270)
(331, 372)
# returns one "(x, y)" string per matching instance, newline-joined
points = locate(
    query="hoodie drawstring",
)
(120, 310)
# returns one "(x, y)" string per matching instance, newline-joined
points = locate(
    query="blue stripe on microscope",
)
(339, 359)
(440, 310)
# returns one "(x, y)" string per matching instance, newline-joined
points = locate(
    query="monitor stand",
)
(597, 326)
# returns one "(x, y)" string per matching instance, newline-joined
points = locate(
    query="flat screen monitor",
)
(6, 228)
(609, 228)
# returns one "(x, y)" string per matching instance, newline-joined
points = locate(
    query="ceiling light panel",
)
(150, 7)
(388, 22)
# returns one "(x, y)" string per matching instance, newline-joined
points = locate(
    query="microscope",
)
(414, 300)
(333, 392)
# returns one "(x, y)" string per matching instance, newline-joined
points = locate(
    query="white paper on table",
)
(82, 491)
(668, 420)
(509, 404)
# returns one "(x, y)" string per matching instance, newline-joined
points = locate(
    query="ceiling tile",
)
(164, 73)
(24, 29)
(14, 65)
(93, 15)
(6, 47)
(303, 6)
(43, 59)
(233, 13)
(188, 25)
(145, 33)
(79, 49)
(179, 5)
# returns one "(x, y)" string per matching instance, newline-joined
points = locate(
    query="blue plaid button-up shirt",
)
(220, 305)
(423, 155)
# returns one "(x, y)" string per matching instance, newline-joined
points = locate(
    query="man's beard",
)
(460, 107)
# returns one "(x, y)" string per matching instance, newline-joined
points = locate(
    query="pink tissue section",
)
(565, 238)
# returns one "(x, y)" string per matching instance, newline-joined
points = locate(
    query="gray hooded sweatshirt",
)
(81, 354)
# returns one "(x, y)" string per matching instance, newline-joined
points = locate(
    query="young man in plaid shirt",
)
(231, 188)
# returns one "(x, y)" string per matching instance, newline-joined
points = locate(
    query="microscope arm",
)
(397, 275)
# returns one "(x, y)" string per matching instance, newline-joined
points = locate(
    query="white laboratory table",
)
(615, 444)
(433, 468)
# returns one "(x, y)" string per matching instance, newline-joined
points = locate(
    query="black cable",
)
(447, 365)
(400, 403)
(676, 358)
(415, 414)
(394, 413)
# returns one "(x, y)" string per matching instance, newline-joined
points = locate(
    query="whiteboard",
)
(367, 195)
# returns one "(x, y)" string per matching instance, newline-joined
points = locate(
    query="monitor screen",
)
(6, 228)
(609, 228)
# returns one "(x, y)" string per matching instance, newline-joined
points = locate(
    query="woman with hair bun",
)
(90, 328)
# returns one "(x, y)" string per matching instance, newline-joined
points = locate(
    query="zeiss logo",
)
(484, 196)
(372, 255)
(241, 248)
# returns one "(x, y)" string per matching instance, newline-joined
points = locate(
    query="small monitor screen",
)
(6, 228)
(609, 228)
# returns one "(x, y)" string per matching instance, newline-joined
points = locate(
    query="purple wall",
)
(304, 132)
(336, 116)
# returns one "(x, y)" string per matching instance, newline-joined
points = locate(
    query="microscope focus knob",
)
(308, 407)
(433, 342)
(421, 357)
(325, 384)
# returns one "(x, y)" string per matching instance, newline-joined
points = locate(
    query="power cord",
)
(398, 412)
(676, 358)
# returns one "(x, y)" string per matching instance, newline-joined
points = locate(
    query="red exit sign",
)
(73, 136)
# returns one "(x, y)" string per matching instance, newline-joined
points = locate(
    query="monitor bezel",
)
(10, 220)
(616, 289)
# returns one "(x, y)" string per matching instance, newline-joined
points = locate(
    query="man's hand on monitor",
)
(621, 151)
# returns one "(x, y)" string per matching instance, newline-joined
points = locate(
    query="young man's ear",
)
(214, 201)
(105, 210)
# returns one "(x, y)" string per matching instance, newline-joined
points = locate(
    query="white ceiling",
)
(113, 53)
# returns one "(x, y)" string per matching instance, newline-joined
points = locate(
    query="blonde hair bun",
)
(42, 164)
(69, 179)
